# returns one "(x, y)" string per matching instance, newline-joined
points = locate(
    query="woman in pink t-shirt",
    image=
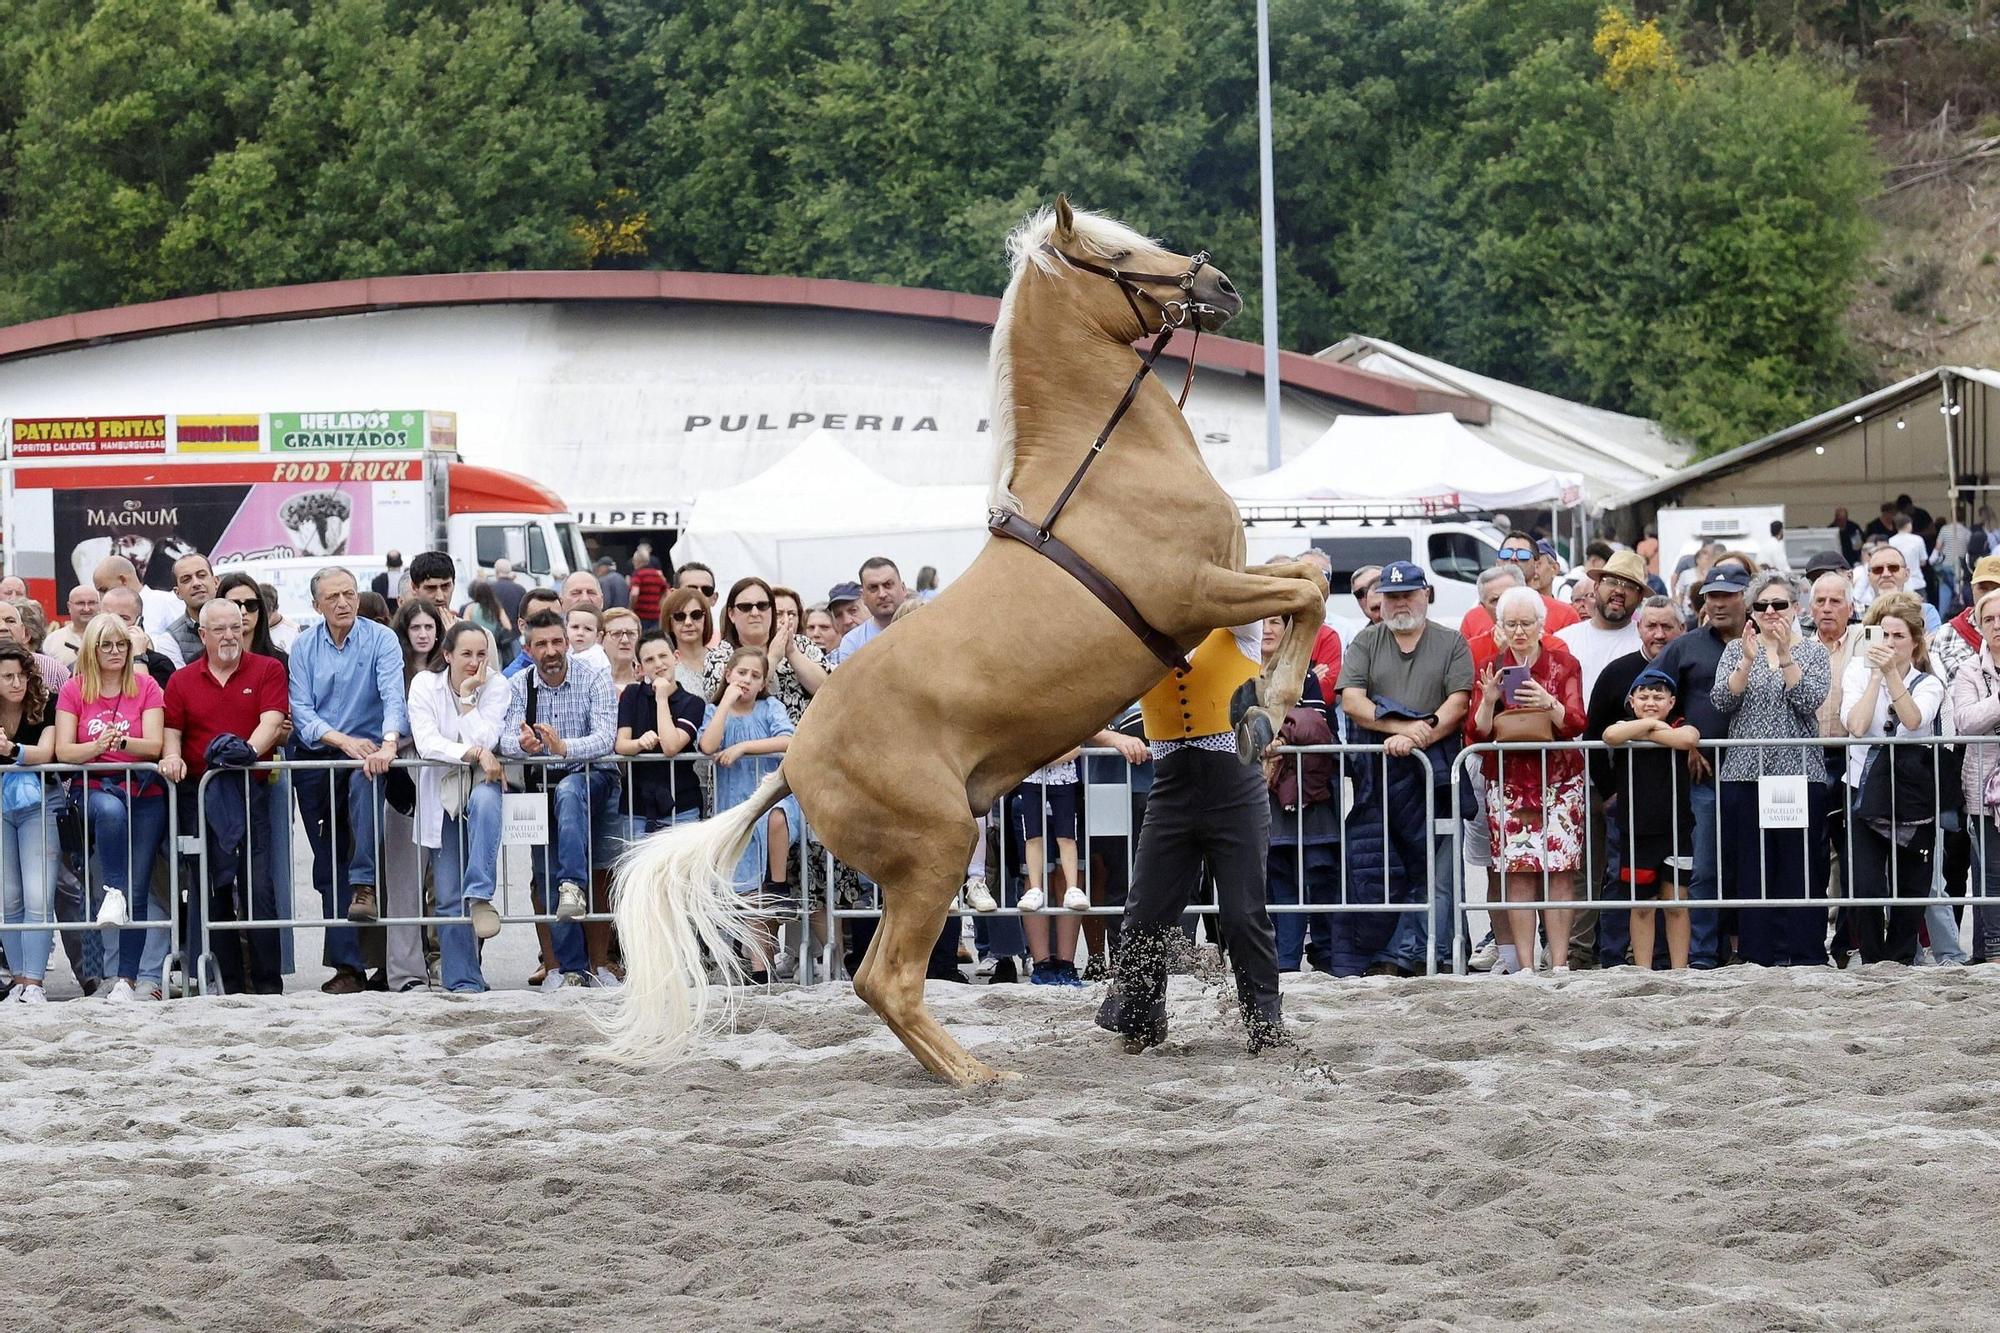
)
(111, 713)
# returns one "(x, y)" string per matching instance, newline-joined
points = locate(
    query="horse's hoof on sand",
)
(985, 1076)
(1253, 736)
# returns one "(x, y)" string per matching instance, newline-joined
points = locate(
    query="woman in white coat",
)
(455, 718)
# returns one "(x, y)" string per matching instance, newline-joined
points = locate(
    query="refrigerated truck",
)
(279, 495)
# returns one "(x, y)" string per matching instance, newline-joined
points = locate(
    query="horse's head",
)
(1122, 282)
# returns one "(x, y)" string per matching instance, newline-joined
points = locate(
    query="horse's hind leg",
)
(916, 895)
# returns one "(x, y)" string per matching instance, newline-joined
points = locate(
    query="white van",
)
(1452, 554)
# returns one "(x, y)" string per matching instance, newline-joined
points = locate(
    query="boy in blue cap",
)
(1652, 785)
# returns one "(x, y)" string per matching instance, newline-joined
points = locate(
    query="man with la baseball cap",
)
(1408, 681)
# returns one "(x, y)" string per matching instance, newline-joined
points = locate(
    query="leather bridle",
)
(1174, 313)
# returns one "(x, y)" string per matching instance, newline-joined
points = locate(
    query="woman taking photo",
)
(1975, 711)
(455, 718)
(28, 847)
(111, 713)
(1535, 799)
(1893, 694)
(1770, 683)
(798, 667)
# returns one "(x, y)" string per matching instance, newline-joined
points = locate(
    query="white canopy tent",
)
(809, 520)
(1429, 460)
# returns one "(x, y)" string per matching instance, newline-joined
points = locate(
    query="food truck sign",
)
(342, 432)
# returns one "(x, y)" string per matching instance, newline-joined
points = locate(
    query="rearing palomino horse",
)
(1014, 663)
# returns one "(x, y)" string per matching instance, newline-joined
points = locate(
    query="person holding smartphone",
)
(1534, 798)
(1769, 683)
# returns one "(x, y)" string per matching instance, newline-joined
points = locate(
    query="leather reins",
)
(1174, 313)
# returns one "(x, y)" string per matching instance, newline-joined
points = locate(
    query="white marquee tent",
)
(809, 520)
(1429, 460)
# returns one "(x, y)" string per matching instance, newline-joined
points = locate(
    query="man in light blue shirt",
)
(882, 591)
(347, 703)
(566, 710)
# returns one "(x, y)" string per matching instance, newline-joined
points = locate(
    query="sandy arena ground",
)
(1737, 1150)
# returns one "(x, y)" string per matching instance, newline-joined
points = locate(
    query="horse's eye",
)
(1121, 256)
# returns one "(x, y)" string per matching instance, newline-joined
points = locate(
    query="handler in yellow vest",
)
(1207, 809)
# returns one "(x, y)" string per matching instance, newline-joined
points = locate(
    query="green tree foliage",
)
(1469, 177)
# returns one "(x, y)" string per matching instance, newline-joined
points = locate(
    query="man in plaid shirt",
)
(567, 710)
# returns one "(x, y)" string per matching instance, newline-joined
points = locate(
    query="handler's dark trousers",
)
(1207, 808)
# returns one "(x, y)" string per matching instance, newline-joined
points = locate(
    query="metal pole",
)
(1268, 213)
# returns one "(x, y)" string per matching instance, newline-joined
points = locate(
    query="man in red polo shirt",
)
(229, 692)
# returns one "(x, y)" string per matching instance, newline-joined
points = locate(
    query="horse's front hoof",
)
(1253, 736)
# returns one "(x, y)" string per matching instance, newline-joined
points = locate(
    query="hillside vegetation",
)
(1678, 212)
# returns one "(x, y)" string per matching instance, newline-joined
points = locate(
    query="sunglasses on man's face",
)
(1517, 555)
(1885, 569)
(705, 589)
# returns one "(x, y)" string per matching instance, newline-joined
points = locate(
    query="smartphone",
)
(1871, 634)
(1511, 680)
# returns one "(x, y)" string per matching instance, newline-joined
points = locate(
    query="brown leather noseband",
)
(1174, 314)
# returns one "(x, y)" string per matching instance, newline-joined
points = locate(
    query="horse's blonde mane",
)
(1097, 236)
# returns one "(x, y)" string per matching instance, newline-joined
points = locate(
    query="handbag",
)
(1909, 781)
(1524, 724)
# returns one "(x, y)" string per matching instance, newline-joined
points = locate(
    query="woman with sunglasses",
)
(750, 620)
(242, 592)
(1770, 683)
(685, 616)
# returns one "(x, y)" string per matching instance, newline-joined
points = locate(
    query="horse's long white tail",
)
(672, 898)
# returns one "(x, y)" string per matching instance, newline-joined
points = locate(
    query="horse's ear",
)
(1065, 218)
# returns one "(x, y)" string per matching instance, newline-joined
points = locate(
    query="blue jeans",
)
(1281, 889)
(584, 804)
(465, 867)
(1941, 919)
(635, 828)
(28, 854)
(342, 838)
(241, 884)
(1419, 933)
(1704, 928)
(124, 832)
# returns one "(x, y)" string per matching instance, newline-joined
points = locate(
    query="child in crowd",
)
(1652, 784)
(745, 733)
(657, 716)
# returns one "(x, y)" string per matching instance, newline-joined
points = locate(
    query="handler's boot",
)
(1136, 1005)
(1263, 1016)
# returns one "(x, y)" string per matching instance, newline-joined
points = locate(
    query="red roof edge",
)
(1367, 389)
(490, 490)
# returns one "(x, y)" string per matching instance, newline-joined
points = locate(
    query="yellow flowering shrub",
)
(616, 230)
(1633, 53)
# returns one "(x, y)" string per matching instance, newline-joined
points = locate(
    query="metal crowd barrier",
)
(416, 869)
(1108, 823)
(1779, 813)
(75, 884)
(1094, 827)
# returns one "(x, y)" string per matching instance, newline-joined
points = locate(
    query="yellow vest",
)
(1195, 702)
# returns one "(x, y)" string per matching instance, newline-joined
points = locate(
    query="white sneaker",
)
(33, 995)
(111, 912)
(1075, 900)
(1486, 957)
(1033, 900)
(570, 902)
(121, 992)
(553, 981)
(606, 977)
(1562, 971)
(978, 897)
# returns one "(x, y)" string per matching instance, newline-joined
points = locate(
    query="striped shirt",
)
(583, 710)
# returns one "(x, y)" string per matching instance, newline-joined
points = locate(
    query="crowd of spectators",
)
(634, 699)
